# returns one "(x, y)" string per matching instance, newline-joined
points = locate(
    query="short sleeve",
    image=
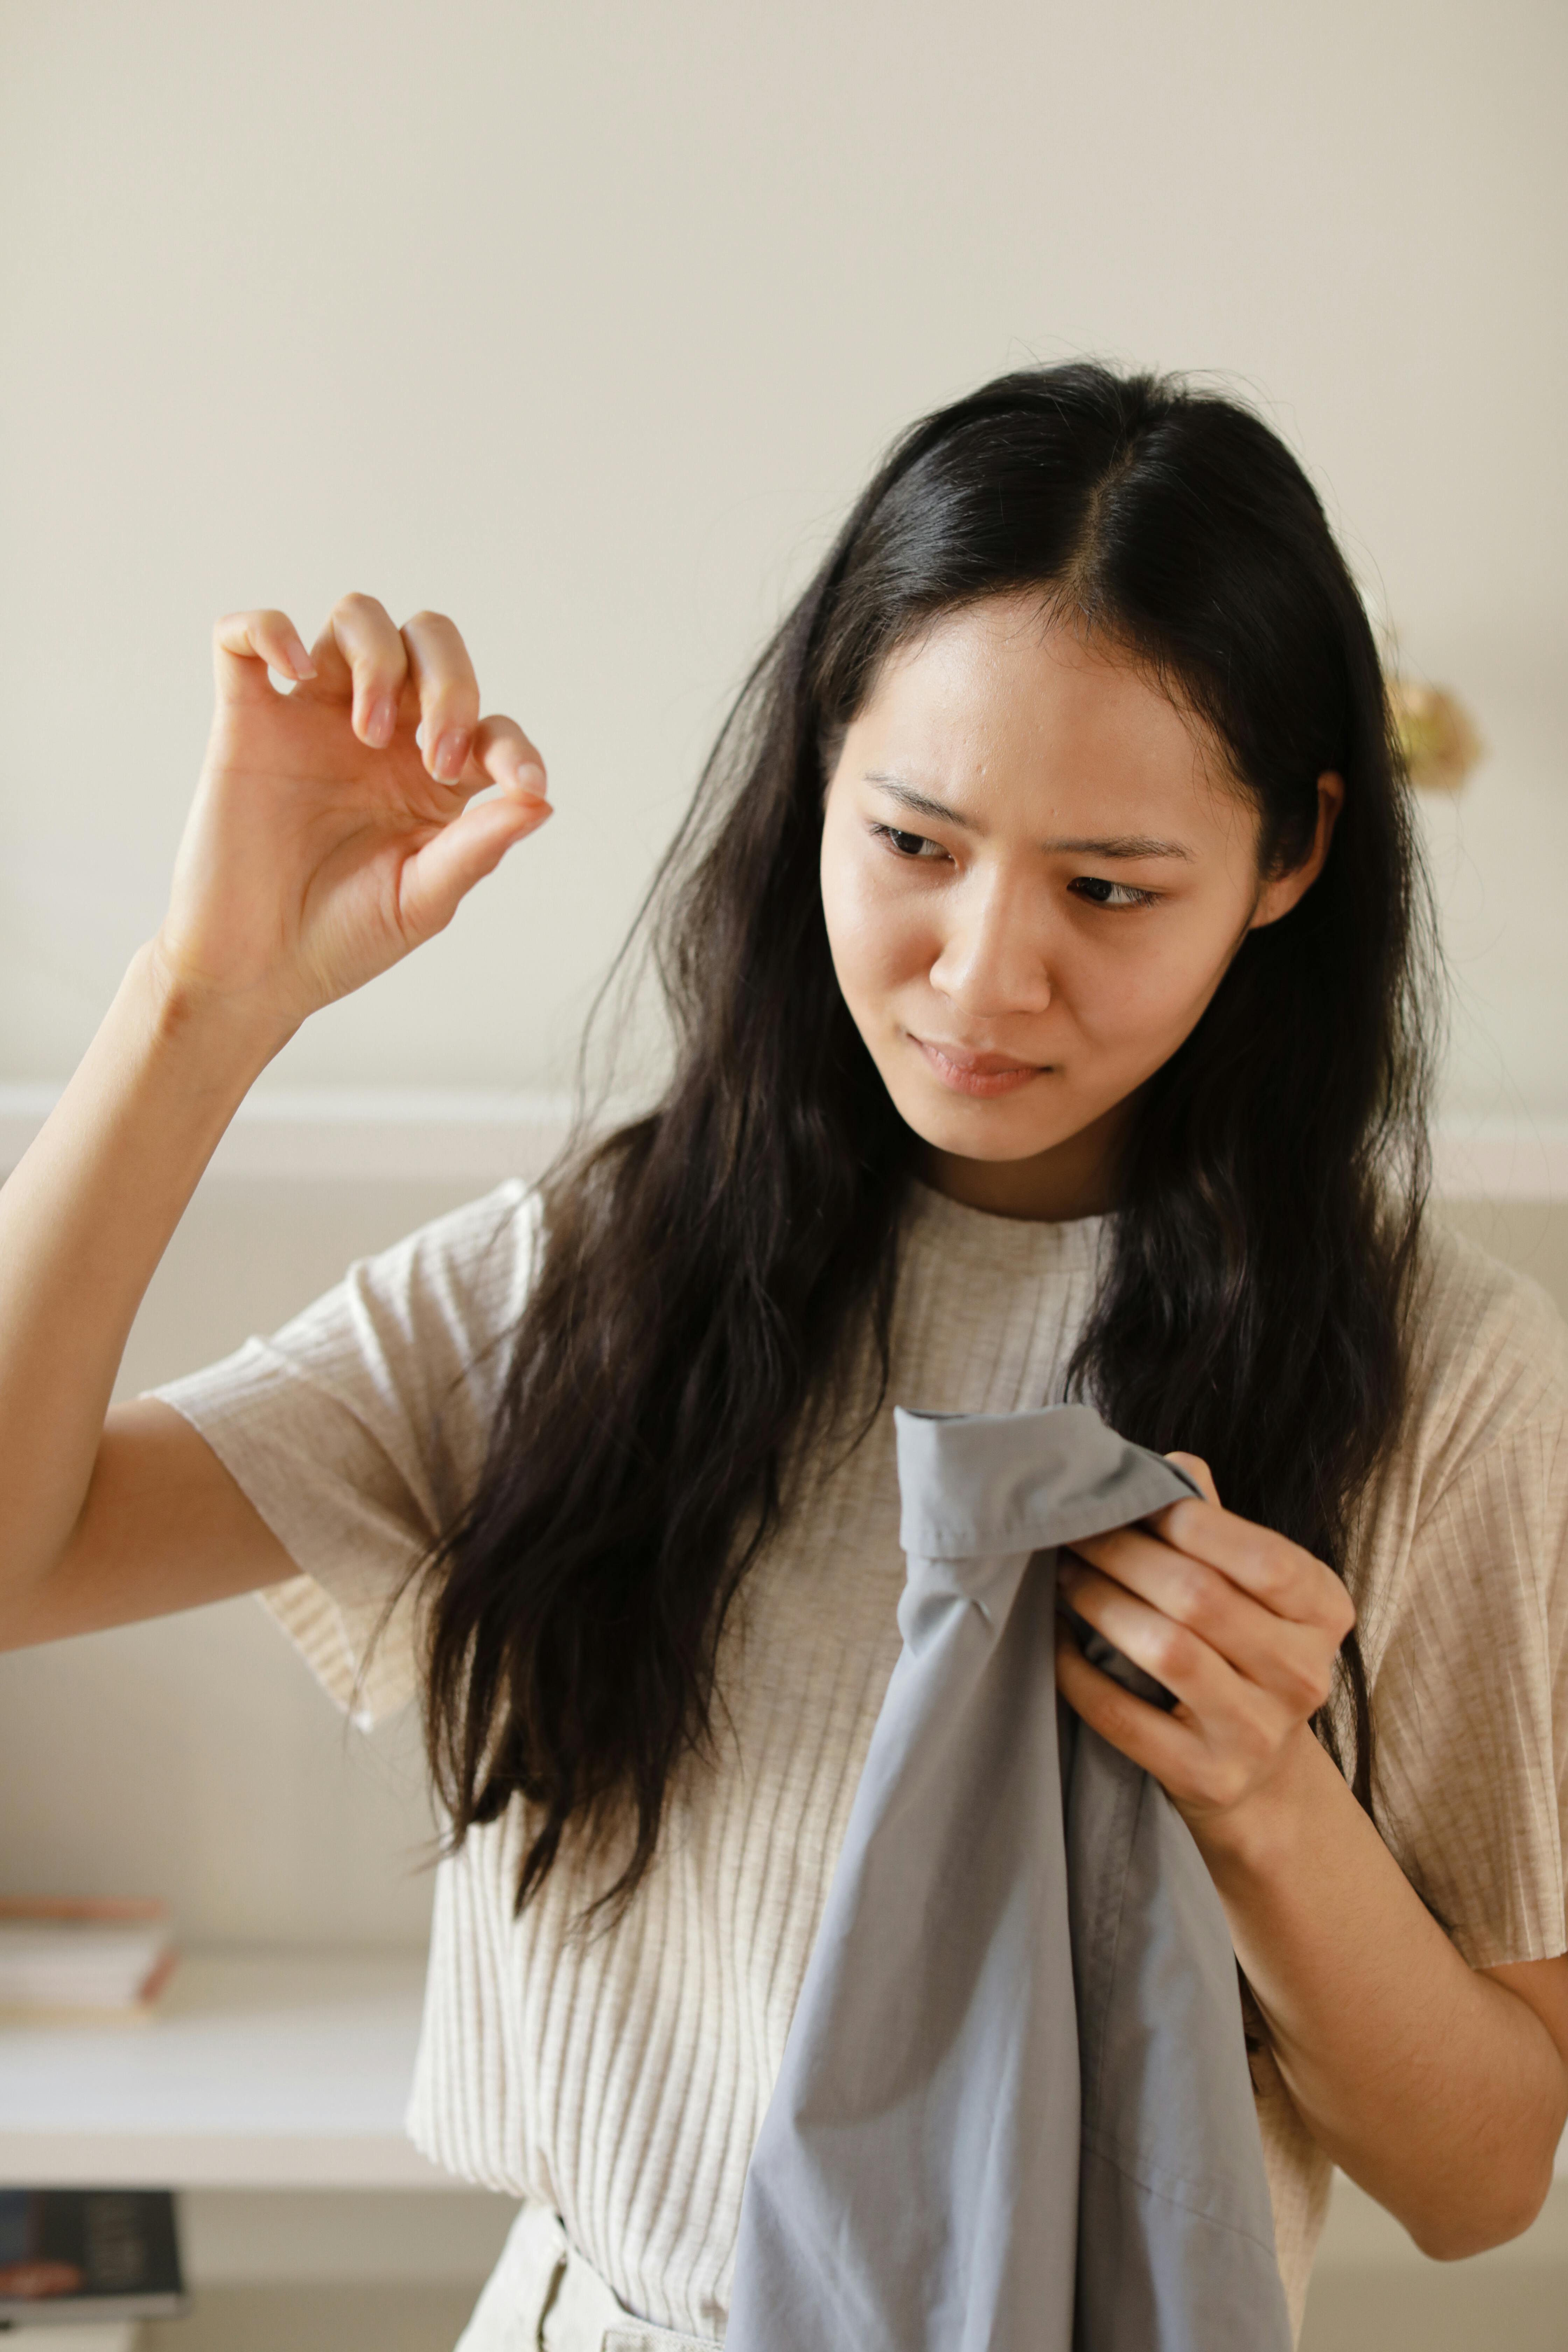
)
(1469, 1687)
(358, 1430)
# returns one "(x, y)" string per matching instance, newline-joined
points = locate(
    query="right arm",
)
(323, 845)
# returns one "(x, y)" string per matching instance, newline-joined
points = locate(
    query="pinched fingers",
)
(246, 645)
(443, 677)
(364, 660)
(435, 882)
(502, 754)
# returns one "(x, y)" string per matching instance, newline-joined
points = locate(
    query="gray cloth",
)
(1013, 2110)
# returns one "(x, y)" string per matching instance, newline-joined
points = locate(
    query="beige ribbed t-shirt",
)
(622, 2079)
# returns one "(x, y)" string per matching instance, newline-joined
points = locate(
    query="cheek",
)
(880, 936)
(1151, 986)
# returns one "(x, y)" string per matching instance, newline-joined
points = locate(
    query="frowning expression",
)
(1036, 869)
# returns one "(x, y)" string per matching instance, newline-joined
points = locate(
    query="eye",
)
(908, 845)
(1099, 892)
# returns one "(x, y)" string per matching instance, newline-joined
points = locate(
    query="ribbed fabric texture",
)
(624, 2081)
(621, 2079)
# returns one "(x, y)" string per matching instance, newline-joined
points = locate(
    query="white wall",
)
(584, 322)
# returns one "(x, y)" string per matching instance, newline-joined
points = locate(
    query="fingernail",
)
(300, 661)
(451, 752)
(419, 734)
(383, 724)
(530, 779)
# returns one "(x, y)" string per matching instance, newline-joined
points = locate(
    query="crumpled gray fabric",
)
(1013, 2110)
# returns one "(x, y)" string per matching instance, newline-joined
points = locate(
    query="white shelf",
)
(258, 2070)
(449, 1136)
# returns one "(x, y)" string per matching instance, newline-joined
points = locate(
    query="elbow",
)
(1483, 2220)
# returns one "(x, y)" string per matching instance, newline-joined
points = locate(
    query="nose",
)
(995, 957)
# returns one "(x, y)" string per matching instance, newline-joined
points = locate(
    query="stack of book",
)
(86, 2258)
(66, 1959)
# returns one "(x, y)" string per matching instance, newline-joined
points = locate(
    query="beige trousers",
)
(543, 2296)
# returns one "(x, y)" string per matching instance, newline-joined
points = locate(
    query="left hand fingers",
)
(1171, 1746)
(1276, 1572)
(1198, 1471)
(1287, 1657)
(1192, 1629)
(1191, 1668)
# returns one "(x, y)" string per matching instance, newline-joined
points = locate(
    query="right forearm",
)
(84, 1219)
(335, 828)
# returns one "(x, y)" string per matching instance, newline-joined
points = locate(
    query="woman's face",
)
(1035, 871)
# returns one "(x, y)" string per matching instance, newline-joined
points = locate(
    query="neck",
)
(1075, 1178)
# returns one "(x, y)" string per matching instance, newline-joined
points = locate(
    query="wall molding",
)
(358, 1135)
(367, 1135)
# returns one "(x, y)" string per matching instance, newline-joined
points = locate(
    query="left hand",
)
(1242, 1627)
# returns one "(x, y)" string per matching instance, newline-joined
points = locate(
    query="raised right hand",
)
(324, 843)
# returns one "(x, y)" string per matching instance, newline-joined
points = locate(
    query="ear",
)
(1287, 890)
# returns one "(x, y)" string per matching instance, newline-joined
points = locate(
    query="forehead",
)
(1017, 717)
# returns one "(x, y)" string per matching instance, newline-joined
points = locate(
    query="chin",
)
(989, 1131)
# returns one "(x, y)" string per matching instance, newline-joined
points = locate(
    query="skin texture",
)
(337, 827)
(1036, 870)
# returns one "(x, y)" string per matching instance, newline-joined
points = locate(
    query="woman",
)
(1046, 956)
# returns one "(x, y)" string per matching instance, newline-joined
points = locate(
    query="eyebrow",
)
(1113, 845)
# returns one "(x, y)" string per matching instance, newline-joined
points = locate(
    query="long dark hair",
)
(709, 1269)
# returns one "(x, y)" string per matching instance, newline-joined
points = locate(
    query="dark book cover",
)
(75, 2254)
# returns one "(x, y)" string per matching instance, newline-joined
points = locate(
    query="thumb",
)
(1198, 1471)
(438, 877)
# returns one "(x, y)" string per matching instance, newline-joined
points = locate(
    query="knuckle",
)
(1174, 1652)
(427, 619)
(1193, 1595)
(1261, 1561)
(1331, 1610)
(1306, 1685)
(1278, 1592)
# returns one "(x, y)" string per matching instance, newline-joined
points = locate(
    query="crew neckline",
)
(1028, 1244)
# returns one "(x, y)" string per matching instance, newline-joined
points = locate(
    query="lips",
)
(966, 1072)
